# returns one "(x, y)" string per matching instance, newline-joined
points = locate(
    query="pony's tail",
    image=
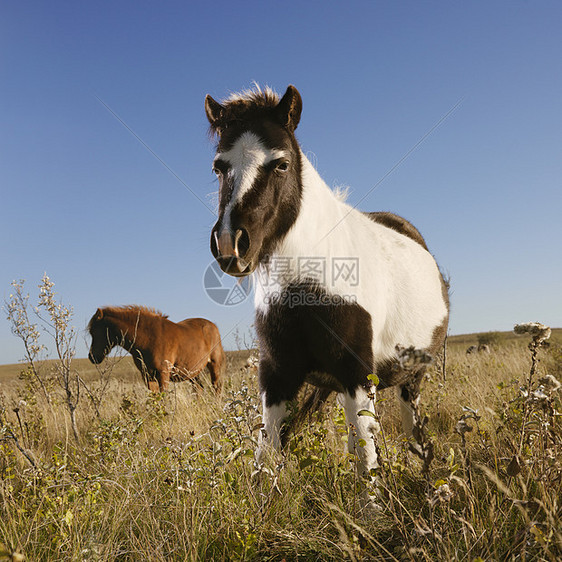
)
(314, 402)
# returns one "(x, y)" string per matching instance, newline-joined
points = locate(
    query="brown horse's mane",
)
(127, 310)
(136, 309)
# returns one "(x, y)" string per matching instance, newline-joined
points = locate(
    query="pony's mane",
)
(265, 97)
(341, 192)
(252, 103)
(133, 308)
(137, 309)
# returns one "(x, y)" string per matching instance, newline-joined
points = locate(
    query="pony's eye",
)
(282, 166)
(216, 171)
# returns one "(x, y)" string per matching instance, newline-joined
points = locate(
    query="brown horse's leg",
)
(164, 378)
(139, 363)
(215, 378)
(153, 385)
(147, 372)
(197, 383)
(217, 356)
(216, 367)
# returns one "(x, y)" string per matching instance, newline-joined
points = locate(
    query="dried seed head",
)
(538, 331)
(442, 494)
(550, 383)
(410, 357)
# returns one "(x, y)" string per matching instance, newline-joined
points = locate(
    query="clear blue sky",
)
(85, 201)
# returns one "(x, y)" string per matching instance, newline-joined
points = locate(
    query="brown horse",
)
(162, 350)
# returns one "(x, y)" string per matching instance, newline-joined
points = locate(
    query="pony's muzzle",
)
(229, 250)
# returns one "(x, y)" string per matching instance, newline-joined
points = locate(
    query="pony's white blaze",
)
(246, 158)
(398, 280)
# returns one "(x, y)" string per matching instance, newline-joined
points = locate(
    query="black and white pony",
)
(336, 290)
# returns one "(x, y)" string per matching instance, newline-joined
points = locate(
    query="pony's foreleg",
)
(270, 435)
(363, 429)
(279, 385)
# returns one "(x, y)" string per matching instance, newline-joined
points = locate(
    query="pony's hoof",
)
(370, 505)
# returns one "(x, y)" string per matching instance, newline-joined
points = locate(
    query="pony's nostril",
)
(225, 244)
(215, 244)
(241, 242)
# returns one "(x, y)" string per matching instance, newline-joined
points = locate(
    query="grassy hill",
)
(122, 367)
(126, 369)
(504, 338)
(171, 476)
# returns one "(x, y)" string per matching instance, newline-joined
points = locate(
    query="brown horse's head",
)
(103, 340)
(258, 163)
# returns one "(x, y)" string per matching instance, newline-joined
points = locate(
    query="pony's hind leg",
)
(409, 400)
(412, 422)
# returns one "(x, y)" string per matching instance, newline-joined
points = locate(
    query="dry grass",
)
(171, 477)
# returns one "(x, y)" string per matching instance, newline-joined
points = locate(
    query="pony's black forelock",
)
(248, 105)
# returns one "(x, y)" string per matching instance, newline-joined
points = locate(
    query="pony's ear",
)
(213, 110)
(288, 110)
(99, 314)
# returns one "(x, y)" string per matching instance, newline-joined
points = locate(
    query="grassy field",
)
(171, 477)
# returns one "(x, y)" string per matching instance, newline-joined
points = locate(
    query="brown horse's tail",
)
(314, 402)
